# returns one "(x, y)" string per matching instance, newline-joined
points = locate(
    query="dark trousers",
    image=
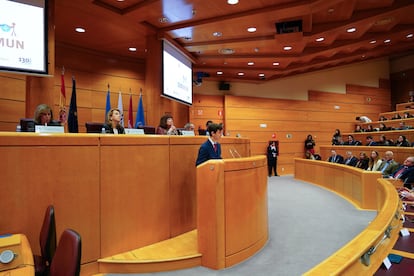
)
(272, 166)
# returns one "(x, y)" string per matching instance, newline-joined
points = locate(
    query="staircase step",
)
(176, 253)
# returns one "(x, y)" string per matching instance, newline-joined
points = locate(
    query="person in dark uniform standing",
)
(272, 153)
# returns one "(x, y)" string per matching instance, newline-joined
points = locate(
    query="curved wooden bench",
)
(364, 254)
(400, 153)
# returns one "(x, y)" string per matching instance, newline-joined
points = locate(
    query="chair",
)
(93, 127)
(66, 261)
(148, 129)
(47, 241)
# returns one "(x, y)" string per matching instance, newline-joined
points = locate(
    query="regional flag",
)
(62, 99)
(121, 108)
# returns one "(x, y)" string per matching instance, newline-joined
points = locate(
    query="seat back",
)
(47, 238)
(92, 127)
(66, 261)
(148, 129)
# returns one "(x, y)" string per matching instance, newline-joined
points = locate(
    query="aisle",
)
(307, 224)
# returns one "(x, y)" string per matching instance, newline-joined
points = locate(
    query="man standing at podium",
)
(211, 149)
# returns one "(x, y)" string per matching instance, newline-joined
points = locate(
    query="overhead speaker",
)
(287, 27)
(224, 86)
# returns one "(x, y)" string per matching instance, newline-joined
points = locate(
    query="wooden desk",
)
(23, 262)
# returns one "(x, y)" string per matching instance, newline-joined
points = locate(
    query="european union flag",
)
(73, 111)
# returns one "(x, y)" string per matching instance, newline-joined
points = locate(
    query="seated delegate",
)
(43, 115)
(113, 122)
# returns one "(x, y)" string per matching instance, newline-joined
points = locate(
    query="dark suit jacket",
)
(407, 176)
(351, 162)
(108, 129)
(206, 152)
(338, 159)
(392, 167)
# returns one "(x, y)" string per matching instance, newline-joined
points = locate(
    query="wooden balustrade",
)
(358, 187)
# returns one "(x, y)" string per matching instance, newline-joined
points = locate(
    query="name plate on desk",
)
(49, 129)
(187, 133)
(138, 131)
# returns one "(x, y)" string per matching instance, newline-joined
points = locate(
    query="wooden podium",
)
(232, 216)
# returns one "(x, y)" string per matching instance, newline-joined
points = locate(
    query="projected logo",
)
(7, 28)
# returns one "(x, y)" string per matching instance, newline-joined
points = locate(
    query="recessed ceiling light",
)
(217, 34)
(219, 73)
(287, 48)
(80, 30)
(261, 75)
(320, 39)
(276, 63)
(251, 29)
(226, 51)
(351, 30)
(250, 63)
(373, 41)
(132, 49)
(387, 41)
(163, 20)
(240, 73)
(232, 2)
(409, 36)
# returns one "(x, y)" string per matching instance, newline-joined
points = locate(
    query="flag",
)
(62, 99)
(121, 108)
(108, 103)
(140, 121)
(130, 116)
(73, 111)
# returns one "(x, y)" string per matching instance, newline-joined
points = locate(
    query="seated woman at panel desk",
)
(113, 122)
(44, 116)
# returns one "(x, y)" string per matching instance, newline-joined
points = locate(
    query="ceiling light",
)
(232, 2)
(219, 73)
(250, 63)
(80, 30)
(251, 29)
(261, 75)
(132, 49)
(373, 41)
(320, 39)
(287, 48)
(240, 73)
(351, 30)
(217, 34)
(387, 41)
(226, 51)
(163, 20)
(276, 63)
(409, 36)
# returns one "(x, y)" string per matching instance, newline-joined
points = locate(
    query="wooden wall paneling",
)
(135, 199)
(183, 155)
(29, 189)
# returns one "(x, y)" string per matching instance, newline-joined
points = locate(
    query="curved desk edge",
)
(358, 256)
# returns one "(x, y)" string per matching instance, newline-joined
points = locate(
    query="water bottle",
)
(103, 130)
(18, 128)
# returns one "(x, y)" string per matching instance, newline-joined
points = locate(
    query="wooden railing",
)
(364, 254)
